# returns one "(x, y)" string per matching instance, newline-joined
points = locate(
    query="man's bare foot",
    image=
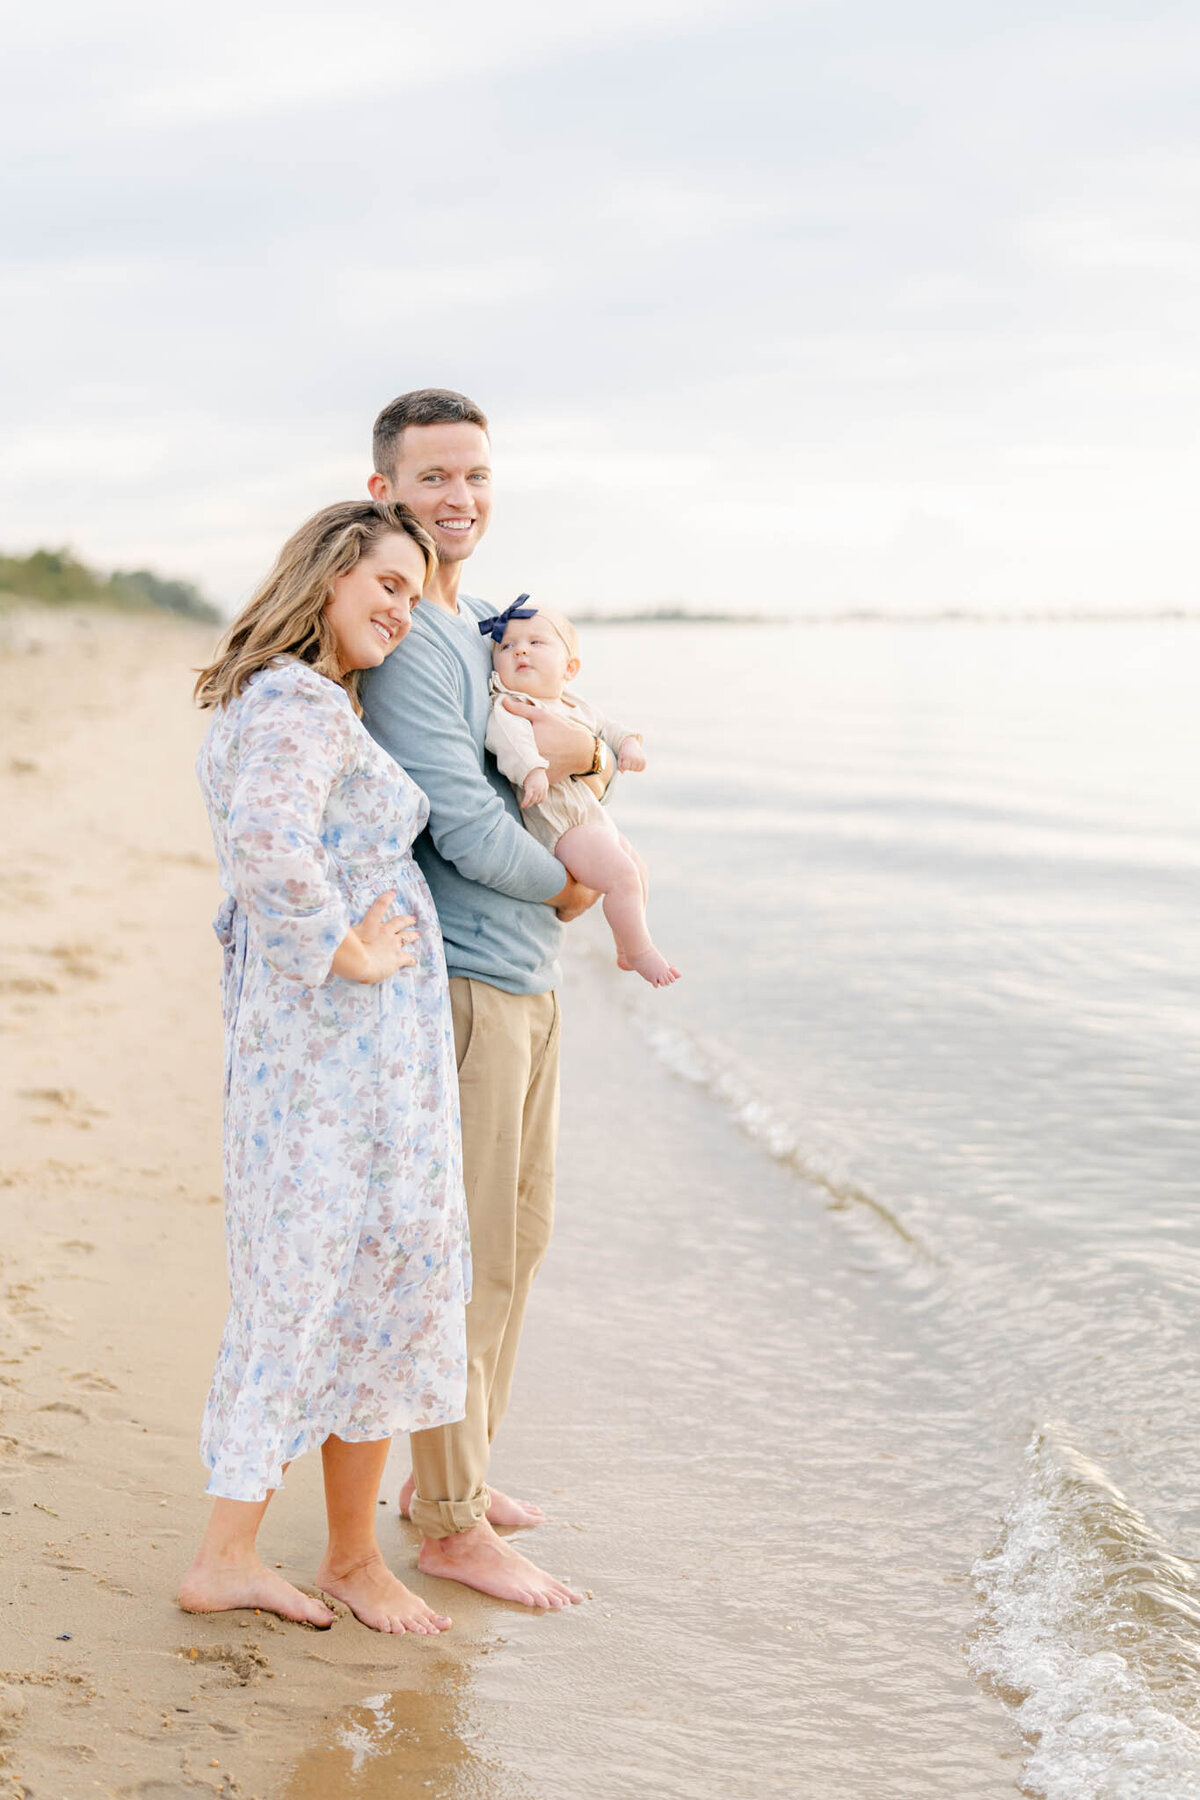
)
(379, 1599)
(651, 966)
(225, 1587)
(503, 1510)
(480, 1559)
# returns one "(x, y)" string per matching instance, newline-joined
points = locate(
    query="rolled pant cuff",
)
(446, 1518)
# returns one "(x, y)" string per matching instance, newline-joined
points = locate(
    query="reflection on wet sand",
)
(413, 1742)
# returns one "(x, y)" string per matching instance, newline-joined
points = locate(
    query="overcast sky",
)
(792, 306)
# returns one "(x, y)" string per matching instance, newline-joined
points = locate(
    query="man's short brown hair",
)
(424, 406)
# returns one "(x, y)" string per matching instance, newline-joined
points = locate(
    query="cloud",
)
(741, 288)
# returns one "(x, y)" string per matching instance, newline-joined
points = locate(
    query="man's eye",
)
(480, 478)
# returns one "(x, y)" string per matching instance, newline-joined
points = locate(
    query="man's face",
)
(444, 473)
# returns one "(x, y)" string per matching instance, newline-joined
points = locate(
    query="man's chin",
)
(453, 548)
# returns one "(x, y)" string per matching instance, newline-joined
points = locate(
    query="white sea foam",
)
(1089, 1636)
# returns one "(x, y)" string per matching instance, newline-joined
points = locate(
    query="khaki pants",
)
(507, 1048)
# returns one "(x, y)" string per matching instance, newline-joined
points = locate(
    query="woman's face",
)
(370, 609)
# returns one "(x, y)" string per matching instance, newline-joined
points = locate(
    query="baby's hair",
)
(560, 623)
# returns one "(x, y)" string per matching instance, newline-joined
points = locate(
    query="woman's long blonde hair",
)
(286, 616)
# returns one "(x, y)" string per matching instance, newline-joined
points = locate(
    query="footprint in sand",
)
(94, 1381)
(80, 960)
(68, 1105)
(246, 1661)
(12, 1712)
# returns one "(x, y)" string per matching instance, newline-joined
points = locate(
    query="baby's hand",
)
(631, 756)
(534, 788)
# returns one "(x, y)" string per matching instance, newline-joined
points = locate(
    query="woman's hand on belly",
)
(376, 948)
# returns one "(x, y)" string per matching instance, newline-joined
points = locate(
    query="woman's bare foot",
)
(503, 1510)
(651, 966)
(379, 1599)
(480, 1559)
(225, 1587)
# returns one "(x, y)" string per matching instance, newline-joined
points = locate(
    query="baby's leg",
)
(638, 864)
(594, 855)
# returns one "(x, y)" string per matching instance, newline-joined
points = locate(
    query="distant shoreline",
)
(877, 616)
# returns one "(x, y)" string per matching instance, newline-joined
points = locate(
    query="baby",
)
(535, 653)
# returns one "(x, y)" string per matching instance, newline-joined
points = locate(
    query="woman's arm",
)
(293, 744)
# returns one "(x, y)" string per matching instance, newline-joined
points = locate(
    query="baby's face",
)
(533, 659)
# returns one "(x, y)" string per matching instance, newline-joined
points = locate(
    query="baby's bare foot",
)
(379, 1599)
(503, 1510)
(651, 966)
(226, 1587)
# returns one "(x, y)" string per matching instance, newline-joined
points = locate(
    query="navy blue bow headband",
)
(494, 627)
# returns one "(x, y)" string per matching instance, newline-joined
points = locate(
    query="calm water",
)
(861, 1378)
(934, 888)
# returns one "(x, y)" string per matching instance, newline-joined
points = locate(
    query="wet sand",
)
(692, 1405)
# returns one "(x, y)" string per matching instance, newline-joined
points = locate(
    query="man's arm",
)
(413, 707)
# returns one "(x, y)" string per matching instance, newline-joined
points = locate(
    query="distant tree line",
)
(57, 578)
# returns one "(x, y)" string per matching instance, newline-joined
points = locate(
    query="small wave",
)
(1091, 1634)
(685, 1055)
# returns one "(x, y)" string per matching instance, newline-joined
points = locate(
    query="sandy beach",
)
(665, 1409)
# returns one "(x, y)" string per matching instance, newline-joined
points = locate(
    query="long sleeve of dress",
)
(292, 746)
(511, 741)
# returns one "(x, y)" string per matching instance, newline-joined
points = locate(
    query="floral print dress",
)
(346, 1223)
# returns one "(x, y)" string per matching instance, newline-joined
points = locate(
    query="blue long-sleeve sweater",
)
(427, 704)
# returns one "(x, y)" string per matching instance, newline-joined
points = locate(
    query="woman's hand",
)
(375, 948)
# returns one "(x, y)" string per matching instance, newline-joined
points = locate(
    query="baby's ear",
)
(573, 667)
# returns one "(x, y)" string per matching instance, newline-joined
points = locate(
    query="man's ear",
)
(377, 486)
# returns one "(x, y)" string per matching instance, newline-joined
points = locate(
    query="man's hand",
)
(573, 900)
(569, 748)
(534, 788)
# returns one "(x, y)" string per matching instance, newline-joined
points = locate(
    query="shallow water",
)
(959, 866)
(863, 1366)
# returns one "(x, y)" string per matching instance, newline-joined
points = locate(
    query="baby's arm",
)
(511, 741)
(625, 745)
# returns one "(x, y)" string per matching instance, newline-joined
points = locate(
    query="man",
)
(499, 895)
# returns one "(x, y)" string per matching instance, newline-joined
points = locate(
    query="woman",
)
(345, 1216)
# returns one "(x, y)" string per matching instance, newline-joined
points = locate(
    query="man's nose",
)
(460, 493)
